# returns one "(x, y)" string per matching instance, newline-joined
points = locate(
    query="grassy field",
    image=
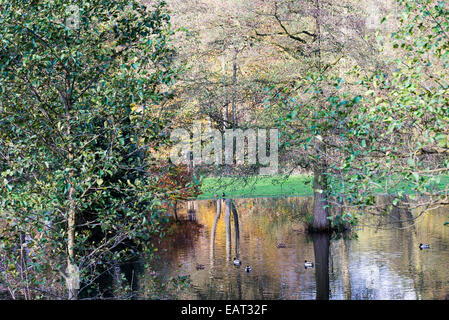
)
(280, 186)
(270, 186)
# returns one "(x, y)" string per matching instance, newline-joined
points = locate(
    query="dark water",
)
(383, 261)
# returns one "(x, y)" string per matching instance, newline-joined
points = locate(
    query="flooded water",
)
(380, 260)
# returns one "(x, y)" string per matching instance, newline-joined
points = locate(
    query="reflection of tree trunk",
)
(415, 263)
(237, 230)
(321, 249)
(228, 227)
(191, 211)
(345, 269)
(239, 286)
(214, 228)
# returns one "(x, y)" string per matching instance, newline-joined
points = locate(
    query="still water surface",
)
(380, 260)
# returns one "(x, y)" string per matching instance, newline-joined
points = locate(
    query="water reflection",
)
(214, 229)
(236, 227)
(191, 210)
(384, 262)
(321, 250)
(228, 228)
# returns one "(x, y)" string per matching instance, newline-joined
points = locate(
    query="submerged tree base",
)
(330, 229)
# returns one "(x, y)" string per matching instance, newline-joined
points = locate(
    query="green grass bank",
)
(253, 187)
(285, 186)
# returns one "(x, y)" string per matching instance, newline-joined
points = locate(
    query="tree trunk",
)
(318, 31)
(175, 210)
(72, 276)
(234, 91)
(320, 209)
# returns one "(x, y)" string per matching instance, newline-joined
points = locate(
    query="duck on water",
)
(308, 264)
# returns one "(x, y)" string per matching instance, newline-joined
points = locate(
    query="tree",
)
(405, 129)
(319, 102)
(298, 50)
(82, 85)
(222, 62)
